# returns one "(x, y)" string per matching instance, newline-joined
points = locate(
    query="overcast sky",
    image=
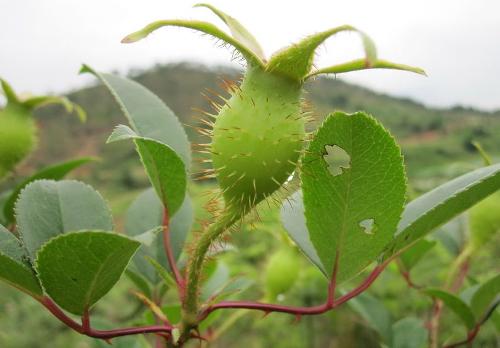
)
(43, 43)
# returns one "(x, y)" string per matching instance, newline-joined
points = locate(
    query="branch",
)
(299, 311)
(101, 334)
(168, 251)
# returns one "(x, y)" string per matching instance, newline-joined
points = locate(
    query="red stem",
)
(168, 251)
(470, 337)
(102, 334)
(298, 311)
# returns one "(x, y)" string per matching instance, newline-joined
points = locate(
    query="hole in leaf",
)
(337, 159)
(368, 226)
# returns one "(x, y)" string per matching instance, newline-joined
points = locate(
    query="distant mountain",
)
(429, 136)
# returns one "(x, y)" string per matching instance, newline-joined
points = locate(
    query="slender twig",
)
(169, 252)
(101, 334)
(406, 275)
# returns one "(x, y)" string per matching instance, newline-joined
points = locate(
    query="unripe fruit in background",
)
(18, 132)
(281, 272)
(258, 135)
(17, 136)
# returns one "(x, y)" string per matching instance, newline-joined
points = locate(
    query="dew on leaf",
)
(337, 159)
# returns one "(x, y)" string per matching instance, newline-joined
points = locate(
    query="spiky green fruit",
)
(17, 136)
(258, 133)
(257, 138)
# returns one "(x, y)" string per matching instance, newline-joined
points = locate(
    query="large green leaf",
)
(375, 313)
(294, 221)
(47, 208)
(456, 304)
(77, 269)
(424, 214)
(484, 220)
(14, 268)
(409, 333)
(165, 169)
(352, 201)
(485, 295)
(145, 213)
(54, 172)
(148, 116)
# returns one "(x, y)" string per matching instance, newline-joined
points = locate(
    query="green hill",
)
(430, 137)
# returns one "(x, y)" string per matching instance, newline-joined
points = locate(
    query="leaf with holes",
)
(456, 304)
(352, 210)
(54, 172)
(145, 213)
(14, 269)
(78, 269)
(47, 208)
(147, 114)
(165, 169)
(429, 211)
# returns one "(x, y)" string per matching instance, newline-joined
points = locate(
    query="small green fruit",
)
(17, 136)
(282, 272)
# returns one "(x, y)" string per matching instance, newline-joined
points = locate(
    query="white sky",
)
(43, 42)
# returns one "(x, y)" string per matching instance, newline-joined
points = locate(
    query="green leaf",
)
(454, 234)
(145, 213)
(353, 214)
(70, 107)
(429, 211)
(47, 208)
(456, 304)
(484, 220)
(294, 221)
(54, 172)
(485, 295)
(361, 64)
(78, 269)
(148, 116)
(409, 333)
(140, 282)
(165, 169)
(297, 60)
(204, 27)
(168, 280)
(375, 313)
(14, 268)
(415, 253)
(239, 32)
(8, 91)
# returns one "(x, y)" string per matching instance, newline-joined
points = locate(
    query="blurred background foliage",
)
(437, 147)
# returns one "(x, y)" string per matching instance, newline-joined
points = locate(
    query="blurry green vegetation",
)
(436, 144)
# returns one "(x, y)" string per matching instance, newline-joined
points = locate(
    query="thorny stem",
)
(101, 334)
(330, 303)
(168, 251)
(214, 231)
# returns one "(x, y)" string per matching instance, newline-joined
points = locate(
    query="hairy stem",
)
(206, 239)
